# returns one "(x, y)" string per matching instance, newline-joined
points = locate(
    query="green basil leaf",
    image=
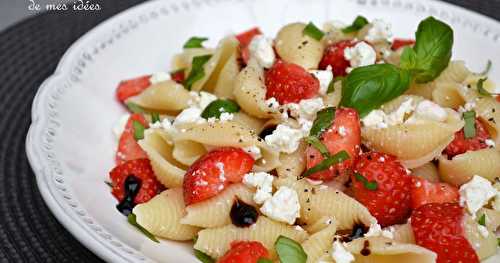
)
(132, 219)
(482, 220)
(367, 88)
(327, 162)
(498, 241)
(358, 23)
(197, 71)
(316, 143)
(155, 117)
(470, 124)
(323, 121)
(313, 31)
(481, 90)
(264, 260)
(487, 69)
(331, 87)
(195, 42)
(289, 251)
(134, 108)
(203, 257)
(138, 130)
(370, 185)
(408, 59)
(217, 107)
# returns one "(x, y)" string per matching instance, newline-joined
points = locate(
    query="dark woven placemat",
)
(29, 53)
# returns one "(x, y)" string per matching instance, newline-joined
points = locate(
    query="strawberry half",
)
(344, 134)
(290, 83)
(245, 252)
(178, 76)
(424, 192)
(214, 171)
(381, 184)
(439, 227)
(128, 148)
(400, 42)
(334, 57)
(461, 145)
(245, 38)
(132, 87)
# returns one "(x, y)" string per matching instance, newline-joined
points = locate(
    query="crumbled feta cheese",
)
(254, 151)
(467, 107)
(225, 116)
(261, 49)
(119, 125)
(308, 108)
(340, 254)
(483, 231)
(264, 184)
(375, 119)
(159, 77)
(379, 31)
(284, 139)
(398, 116)
(490, 143)
(272, 103)
(283, 206)
(429, 110)
(476, 193)
(201, 99)
(376, 230)
(189, 115)
(324, 77)
(360, 55)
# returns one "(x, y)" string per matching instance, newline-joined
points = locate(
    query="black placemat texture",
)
(29, 53)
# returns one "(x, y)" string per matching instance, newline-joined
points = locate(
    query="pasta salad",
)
(340, 144)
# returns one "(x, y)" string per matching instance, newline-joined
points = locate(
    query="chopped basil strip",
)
(313, 31)
(138, 130)
(289, 251)
(132, 219)
(358, 23)
(264, 260)
(487, 69)
(316, 143)
(195, 42)
(197, 71)
(331, 87)
(498, 241)
(327, 162)
(482, 220)
(217, 107)
(155, 117)
(481, 90)
(203, 257)
(109, 184)
(470, 124)
(323, 121)
(368, 185)
(134, 108)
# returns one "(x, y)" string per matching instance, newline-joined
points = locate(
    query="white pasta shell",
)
(293, 46)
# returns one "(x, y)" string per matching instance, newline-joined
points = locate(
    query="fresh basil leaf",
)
(408, 59)
(470, 124)
(138, 130)
(487, 69)
(498, 241)
(134, 108)
(358, 23)
(327, 162)
(217, 107)
(195, 42)
(481, 90)
(132, 219)
(316, 143)
(331, 87)
(313, 31)
(323, 121)
(264, 260)
(289, 251)
(197, 71)
(482, 220)
(367, 88)
(370, 185)
(155, 117)
(203, 257)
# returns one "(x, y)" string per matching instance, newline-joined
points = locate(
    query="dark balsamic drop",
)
(358, 231)
(366, 249)
(267, 131)
(132, 185)
(242, 214)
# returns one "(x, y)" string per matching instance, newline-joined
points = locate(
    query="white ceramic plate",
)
(70, 145)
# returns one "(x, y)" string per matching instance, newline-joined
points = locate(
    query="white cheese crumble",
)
(159, 77)
(272, 103)
(429, 110)
(490, 143)
(120, 124)
(375, 119)
(398, 116)
(360, 55)
(376, 230)
(476, 193)
(324, 77)
(225, 116)
(379, 31)
(201, 99)
(263, 182)
(261, 48)
(283, 206)
(189, 115)
(254, 151)
(284, 139)
(340, 254)
(308, 108)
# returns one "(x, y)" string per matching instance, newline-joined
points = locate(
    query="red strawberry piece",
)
(400, 42)
(245, 252)
(141, 169)
(128, 148)
(212, 172)
(290, 83)
(344, 134)
(382, 184)
(334, 57)
(132, 87)
(461, 145)
(439, 227)
(498, 98)
(178, 76)
(425, 192)
(245, 38)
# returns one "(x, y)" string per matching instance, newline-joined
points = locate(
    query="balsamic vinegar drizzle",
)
(132, 185)
(358, 231)
(242, 214)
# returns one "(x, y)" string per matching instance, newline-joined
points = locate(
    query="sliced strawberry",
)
(245, 38)
(132, 87)
(344, 134)
(178, 76)
(245, 252)
(212, 172)
(290, 83)
(424, 192)
(498, 98)
(334, 57)
(461, 145)
(128, 148)
(140, 169)
(382, 184)
(439, 227)
(400, 42)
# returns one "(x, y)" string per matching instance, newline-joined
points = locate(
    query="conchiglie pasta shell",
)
(492, 218)
(183, 60)
(427, 171)
(248, 121)
(423, 90)
(318, 244)
(225, 82)
(488, 109)
(293, 46)
(161, 216)
(332, 99)
(320, 224)
(292, 164)
(403, 234)
(446, 94)
(166, 96)
(316, 201)
(484, 246)
(214, 212)
(334, 34)
(215, 242)
(455, 72)
(460, 169)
